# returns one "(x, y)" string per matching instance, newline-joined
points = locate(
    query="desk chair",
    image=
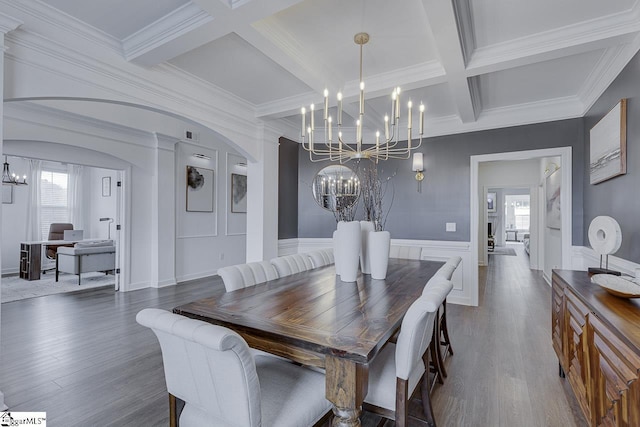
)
(211, 369)
(56, 232)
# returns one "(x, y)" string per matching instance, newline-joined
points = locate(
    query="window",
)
(53, 199)
(517, 212)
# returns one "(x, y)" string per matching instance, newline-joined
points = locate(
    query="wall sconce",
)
(418, 167)
(551, 168)
(201, 156)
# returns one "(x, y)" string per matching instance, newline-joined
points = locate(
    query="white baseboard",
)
(10, 271)
(465, 279)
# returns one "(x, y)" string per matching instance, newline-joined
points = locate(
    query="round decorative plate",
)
(617, 285)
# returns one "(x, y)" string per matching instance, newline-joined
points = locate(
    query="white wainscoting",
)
(464, 279)
(583, 257)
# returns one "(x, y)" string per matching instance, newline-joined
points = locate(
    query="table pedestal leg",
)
(346, 387)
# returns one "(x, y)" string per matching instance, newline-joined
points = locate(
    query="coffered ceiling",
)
(476, 64)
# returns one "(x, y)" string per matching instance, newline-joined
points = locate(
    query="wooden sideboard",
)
(597, 339)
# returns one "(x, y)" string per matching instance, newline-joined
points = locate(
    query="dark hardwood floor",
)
(83, 359)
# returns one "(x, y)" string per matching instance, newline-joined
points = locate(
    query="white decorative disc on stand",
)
(605, 235)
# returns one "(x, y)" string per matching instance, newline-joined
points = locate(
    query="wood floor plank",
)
(83, 359)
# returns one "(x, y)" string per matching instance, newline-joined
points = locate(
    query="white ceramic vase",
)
(365, 228)
(336, 252)
(349, 241)
(379, 243)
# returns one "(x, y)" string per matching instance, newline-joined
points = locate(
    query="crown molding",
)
(50, 20)
(576, 38)
(8, 23)
(164, 88)
(179, 22)
(611, 63)
(513, 115)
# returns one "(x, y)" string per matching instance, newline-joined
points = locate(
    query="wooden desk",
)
(31, 255)
(315, 319)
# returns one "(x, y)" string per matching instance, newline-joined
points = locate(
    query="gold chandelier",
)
(343, 151)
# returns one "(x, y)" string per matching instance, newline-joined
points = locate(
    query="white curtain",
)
(74, 196)
(33, 231)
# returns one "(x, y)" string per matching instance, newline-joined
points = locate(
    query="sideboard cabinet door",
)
(558, 321)
(577, 350)
(614, 378)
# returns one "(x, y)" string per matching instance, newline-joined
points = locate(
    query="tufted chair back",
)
(244, 275)
(291, 264)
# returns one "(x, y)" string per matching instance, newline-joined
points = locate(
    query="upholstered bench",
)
(99, 255)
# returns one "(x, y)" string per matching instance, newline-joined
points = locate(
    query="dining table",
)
(315, 319)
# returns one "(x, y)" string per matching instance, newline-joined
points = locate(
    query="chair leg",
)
(443, 328)
(402, 402)
(56, 267)
(173, 413)
(435, 352)
(427, 409)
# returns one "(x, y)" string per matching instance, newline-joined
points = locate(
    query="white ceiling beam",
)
(571, 40)
(207, 20)
(443, 23)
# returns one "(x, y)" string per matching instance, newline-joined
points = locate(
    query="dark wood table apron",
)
(315, 319)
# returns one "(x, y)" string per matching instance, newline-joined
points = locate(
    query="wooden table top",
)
(316, 312)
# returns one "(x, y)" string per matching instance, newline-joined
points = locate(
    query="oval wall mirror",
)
(336, 187)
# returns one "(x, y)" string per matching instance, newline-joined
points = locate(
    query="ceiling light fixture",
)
(11, 178)
(342, 151)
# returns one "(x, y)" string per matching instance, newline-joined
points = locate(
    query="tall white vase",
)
(336, 252)
(349, 241)
(379, 243)
(365, 227)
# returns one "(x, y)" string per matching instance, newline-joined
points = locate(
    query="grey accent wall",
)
(287, 189)
(618, 197)
(445, 189)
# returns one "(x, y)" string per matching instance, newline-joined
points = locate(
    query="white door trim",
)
(565, 203)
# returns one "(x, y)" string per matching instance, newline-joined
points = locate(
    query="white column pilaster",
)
(262, 202)
(163, 216)
(7, 24)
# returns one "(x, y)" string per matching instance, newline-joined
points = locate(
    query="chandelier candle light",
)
(11, 178)
(342, 151)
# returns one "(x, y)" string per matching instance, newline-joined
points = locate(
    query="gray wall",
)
(445, 190)
(287, 189)
(618, 197)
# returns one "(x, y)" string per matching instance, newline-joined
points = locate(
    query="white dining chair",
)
(441, 330)
(321, 257)
(405, 252)
(402, 366)
(449, 267)
(211, 369)
(291, 264)
(244, 275)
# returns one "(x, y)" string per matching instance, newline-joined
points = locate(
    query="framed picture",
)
(200, 189)
(608, 145)
(238, 193)
(552, 199)
(7, 194)
(491, 202)
(106, 186)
